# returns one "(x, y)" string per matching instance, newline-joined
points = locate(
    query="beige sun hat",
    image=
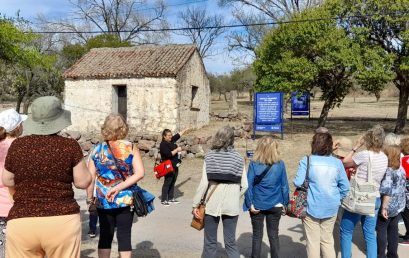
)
(344, 146)
(47, 117)
(10, 119)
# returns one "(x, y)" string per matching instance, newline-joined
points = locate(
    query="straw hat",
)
(10, 119)
(47, 117)
(343, 147)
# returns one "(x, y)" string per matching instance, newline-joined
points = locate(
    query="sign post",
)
(268, 112)
(300, 104)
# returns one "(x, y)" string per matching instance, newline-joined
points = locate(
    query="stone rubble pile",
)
(192, 146)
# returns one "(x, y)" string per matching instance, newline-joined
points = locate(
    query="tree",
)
(301, 55)
(382, 23)
(259, 12)
(70, 53)
(196, 19)
(113, 17)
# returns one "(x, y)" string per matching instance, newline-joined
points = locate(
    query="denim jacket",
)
(272, 190)
(328, 185)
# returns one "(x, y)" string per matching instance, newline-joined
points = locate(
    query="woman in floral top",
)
(109, 160)
(393, 202)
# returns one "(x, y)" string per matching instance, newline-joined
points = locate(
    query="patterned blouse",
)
(394, 185)
(108, 175)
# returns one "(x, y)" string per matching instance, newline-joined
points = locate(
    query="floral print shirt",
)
(108, 175)
(394, 185)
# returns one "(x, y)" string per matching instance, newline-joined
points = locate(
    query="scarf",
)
(224, 166)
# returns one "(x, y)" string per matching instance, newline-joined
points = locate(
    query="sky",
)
(219, 64)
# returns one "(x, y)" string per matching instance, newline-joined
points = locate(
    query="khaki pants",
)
(319, 234)
(55, 237)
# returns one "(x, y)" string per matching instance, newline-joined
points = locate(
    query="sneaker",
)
(92, 234)
(165, 203)
(403, 241)
(174, 201)
(404, 237)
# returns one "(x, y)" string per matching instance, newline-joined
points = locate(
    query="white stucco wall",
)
(196, 114)
(151, 104)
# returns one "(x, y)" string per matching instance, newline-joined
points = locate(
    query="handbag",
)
(199, 223)
(140, 207)
(297, 206)
(163, 168)
(362, 196)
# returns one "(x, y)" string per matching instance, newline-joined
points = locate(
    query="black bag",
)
(140, 207)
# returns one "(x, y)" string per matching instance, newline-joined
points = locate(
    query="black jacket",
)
(165, 149)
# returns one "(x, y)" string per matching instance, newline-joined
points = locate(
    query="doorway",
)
(120, 102)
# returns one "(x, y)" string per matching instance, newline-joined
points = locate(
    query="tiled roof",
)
(131, 62)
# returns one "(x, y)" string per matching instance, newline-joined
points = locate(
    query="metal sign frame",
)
(276, 124)
(301, 112)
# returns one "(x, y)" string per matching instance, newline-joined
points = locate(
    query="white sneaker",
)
(174, 201)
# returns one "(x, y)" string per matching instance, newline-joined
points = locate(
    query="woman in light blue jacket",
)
(267, 194)
(328, 185)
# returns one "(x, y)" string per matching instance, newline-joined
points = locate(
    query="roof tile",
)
(141, 61)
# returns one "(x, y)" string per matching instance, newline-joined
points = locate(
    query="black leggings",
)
(168, 188)
(109, 219)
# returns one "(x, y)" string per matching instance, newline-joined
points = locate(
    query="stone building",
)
(154, 87)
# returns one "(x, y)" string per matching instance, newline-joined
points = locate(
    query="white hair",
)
(392, 139)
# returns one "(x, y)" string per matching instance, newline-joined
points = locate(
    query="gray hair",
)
(223, 139)
(392, 139)
(374, 138)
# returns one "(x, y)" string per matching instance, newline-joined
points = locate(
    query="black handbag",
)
(140, 207)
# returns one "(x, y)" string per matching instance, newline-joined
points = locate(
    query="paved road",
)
(167, 233)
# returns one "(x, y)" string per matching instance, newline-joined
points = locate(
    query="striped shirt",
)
(379, 164)
(224, 166)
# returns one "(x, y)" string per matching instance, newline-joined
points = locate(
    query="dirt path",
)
(167, 233)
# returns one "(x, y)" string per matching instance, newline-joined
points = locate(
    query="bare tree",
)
(201, 28)
(260, 11)
(124, 18)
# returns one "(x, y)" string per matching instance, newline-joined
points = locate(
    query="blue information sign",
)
(268, 112)
(300, 104)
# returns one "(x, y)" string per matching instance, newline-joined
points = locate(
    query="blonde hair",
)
(374, 138)
(114, 128)
(267, 151)
(393, 153)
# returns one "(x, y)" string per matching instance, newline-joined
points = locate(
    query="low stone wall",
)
(192, 146)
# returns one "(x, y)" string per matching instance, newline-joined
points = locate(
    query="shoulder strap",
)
(258, 179)
(369, 167)
(204, 200)
(115, 161)
(307, 174)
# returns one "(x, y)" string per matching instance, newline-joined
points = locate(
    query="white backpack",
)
(362, 196)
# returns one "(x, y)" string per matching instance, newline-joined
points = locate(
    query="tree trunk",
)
(324, 112)
(19, 100)
(225, 96)
(402, 108)
(377, 96)
(26, 105)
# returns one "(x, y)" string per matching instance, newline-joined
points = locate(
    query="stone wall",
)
(151, 104)
(193, 146)
(193, 112)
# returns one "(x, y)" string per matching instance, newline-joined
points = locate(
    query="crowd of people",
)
(42, 218)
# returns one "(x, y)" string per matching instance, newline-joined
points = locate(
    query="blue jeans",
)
(368, 223)
(93, 220)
